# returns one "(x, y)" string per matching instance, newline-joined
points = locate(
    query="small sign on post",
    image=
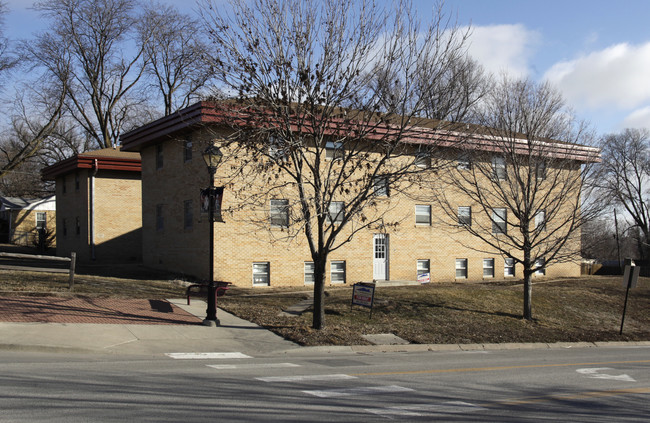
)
(363, 294)
(630, 279)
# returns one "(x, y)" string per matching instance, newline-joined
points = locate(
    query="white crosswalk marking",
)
(206, 356)
(305, 378)
(370, 390)
(251, 366)
(451, 407)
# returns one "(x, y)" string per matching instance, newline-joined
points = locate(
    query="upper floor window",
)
(279, 213)
(499, 167)
(278, 149)
(334, 150)
(335, 212)
(422, 215)
(463, 162)
(499, 221)
(465, 216)
(159, 156)
(380, 186)
(187, 150)
(422, 160)
(188, 214)
(540, 170)
(540, 220)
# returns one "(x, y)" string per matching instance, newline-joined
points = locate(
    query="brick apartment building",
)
(175, 229)
(99, 206)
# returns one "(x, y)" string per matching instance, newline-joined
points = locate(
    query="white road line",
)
(206, 356)
(251, 366)
(370, 390)
(451, 407)
(305, 378)
(595, 374)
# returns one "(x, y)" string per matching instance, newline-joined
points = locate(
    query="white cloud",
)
(639, 118)
(503, 48)
(617, 75)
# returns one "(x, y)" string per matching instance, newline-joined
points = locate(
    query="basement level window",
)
(261, 273)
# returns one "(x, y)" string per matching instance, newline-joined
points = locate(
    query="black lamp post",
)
(212, 156)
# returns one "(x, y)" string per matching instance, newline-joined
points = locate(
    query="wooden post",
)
(73, 261)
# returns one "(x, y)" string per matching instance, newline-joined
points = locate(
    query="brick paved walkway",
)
(93, 310)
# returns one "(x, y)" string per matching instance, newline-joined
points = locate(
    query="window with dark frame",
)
(509, 267)
(380, 186)
(461, 268)
(261, 273)
(499, 221)
(188, 215)
(187, 151)
(465, 216)
(499, 167)
(159, 156)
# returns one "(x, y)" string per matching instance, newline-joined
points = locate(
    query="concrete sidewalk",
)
(136, 332)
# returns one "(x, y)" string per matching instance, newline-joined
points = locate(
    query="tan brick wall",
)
(23, 224)
(240, 242)
(117, 217)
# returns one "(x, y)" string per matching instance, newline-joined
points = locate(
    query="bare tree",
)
(626, 179)
(92, 49)
(525, 177)
(328, 96)
(175, 53)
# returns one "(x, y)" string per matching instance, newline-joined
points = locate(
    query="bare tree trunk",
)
(319, 293)
(528, 295)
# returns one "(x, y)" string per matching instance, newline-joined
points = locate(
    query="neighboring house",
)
(99, 204)
(175, 229)
(22, 217)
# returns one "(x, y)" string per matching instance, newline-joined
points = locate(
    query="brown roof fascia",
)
(425, 131)
(88, 161)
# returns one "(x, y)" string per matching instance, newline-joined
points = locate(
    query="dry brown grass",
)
(568, 310)
(581, 309)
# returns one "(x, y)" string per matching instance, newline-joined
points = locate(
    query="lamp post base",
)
(211, 323)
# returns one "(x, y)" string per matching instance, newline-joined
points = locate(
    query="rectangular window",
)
(464, 162)
(461, 268)
(423, 271)
(499, 167)
(488, 268)
(279, 213)
(159, 156)
(261, 273)
(422, 215)
(278, 149)
(540, 170)
(422, 160)
(333, 150)
(540, 221)
(160, 217)
(465, 216)
(336, 210)
(188, 215)
(540, 264)
(499, 221)
(187, 151)
(337, 271)
(41, 220)
(380, 186)
(309, 273)
(509, 267)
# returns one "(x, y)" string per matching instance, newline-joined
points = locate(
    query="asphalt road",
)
(577, 385)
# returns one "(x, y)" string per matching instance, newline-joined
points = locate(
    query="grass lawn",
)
(579, 309)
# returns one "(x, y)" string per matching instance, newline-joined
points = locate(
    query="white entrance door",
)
(380, 261)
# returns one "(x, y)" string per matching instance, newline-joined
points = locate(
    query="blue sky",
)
(596, 52)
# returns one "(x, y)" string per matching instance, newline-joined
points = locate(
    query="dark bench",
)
(202, 288)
